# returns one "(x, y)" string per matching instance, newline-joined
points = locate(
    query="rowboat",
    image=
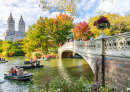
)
(28, 66)
(3, 61)
(46, 59)
(1, 82)
(28, 62)
(27, 76)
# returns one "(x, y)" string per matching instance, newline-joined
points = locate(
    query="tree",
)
(42, 35)
(59, 5)
(38, 35)
(1, 42)
(69, 6)
(82, 30)
(6, 46)
(17, 48)
(28, 47)
(60, 28)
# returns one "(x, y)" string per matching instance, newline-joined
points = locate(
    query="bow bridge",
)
(104, 55)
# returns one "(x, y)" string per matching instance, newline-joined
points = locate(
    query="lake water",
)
(66, 67)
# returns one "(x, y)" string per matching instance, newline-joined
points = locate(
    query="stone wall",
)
(117, 71)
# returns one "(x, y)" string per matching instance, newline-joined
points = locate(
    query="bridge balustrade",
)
(113, 45)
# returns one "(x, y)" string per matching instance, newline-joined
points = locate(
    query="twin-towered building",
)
(10, 33)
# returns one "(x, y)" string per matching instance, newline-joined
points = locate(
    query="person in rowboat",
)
(19, 71)
(31, 63)
(11, 72)
(15, 72)
(31, 59)
(37, 62)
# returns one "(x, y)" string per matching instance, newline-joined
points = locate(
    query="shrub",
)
(60, 84)
(36, 54)
(48, 56)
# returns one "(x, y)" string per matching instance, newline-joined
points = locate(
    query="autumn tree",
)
(82, 30)
(59, 28)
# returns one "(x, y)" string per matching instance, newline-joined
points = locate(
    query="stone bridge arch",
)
(89, 59)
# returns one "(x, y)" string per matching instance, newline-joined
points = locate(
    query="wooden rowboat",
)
(3, 61)
(46, 59)
(28, 66)
(27, 76)
(28, 62)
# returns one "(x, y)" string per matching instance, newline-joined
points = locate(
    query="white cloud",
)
(77, 20)
(117, 6)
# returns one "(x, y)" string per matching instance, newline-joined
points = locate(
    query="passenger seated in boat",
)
(11, 72)
(36, 60)
(15, 72)
(19, 71)
(38, 63)
(3, 59)
(31, 59)
(31, 63)
(0, 59)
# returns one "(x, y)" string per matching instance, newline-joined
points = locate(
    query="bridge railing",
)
(85, 46)
(117, 44)
(113, 45)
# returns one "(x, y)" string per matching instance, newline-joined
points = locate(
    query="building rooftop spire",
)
(21, 18)
(10, 17)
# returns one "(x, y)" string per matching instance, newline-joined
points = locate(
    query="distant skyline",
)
(31, 11)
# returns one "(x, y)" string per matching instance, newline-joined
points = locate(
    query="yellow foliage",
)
(65, 5)
(117, 24)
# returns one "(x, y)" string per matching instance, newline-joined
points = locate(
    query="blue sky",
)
(31, 12)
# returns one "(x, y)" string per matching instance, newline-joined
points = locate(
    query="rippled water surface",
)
(65, 67)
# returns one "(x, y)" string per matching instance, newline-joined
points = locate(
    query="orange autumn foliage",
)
(82, 31)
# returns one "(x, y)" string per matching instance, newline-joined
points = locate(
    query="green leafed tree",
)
(28, 47)
(6, 46)
(37, 36)
(1, 42)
